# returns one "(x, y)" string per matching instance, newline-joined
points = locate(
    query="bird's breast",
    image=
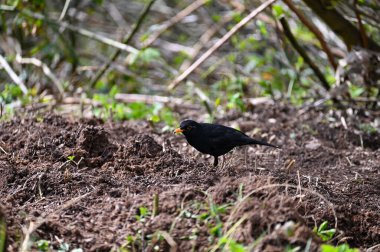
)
(200, 144)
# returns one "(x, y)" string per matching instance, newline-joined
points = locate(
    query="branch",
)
(301, 51)
(82, 32)
(45, 69)
(129, 98)
(13, 75)
(315, 30)
(169, 23)
(206, 37)
(341, 26)
(152, 99)
(126, 41)
(219, 43)
(64, 11)
(363, 34)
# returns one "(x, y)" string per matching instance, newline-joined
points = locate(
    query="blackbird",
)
(215, 139)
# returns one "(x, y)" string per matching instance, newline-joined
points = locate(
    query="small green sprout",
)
(324, 233)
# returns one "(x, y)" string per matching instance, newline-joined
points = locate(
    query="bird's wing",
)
(226, 136)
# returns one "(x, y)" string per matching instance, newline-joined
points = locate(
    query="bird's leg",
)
(215, 161)
(246, 156)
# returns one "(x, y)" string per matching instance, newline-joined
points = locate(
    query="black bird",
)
(215, 139)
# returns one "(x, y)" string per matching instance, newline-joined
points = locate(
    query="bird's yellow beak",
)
(178, 130)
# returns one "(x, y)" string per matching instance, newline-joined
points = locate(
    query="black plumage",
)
(215, 139)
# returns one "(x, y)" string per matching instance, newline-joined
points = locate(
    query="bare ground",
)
(269, 198)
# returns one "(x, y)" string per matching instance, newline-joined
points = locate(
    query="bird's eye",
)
(189, 127)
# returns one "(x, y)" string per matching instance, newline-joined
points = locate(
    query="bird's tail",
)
(253, 141)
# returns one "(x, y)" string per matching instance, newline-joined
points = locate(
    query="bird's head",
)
(187, 127)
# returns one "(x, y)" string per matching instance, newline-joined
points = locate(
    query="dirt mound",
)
(99, 186)
(144, 146)
(92, 146)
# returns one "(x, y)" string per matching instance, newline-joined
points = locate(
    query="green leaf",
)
(277, 10)
(236, 247)
(324, 233)
(42, 245)
(217, 102)
(367, 128)
(143, 211)
(323, 226)
(148, 55)
(262, 27)
(355, 91)
(204, 216)
(340, 248)
(216, 17)
(3, 232)
(216, 230)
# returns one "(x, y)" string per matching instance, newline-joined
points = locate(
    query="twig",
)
(12, 74)
(173, 245)
(45, 69)
(1, 148)
(82, 32)
(219, 43)
(126, 41)
(123, 98)
(115, 14)
(152, 99)
(156, 204)
(238, 206)
(64, 10)
(363, 34)
(78, 100)
(299, 187)
(4, 7)
(315, 30)
(260, 100)
(204, 39)
(148, 99)
(371, 249)
(169, 23)
(41, 220)
(303, 53)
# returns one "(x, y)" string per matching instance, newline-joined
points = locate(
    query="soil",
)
(101, 185)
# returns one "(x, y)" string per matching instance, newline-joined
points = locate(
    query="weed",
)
(133, 111)
(143, 213)
(368, 128)
(72, 159)
(42, 245)
(324, 233)
(3, 232)
(340, 248)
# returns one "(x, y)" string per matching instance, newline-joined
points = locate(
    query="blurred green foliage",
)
(340, 248)
(133, 111)
(256, 61)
